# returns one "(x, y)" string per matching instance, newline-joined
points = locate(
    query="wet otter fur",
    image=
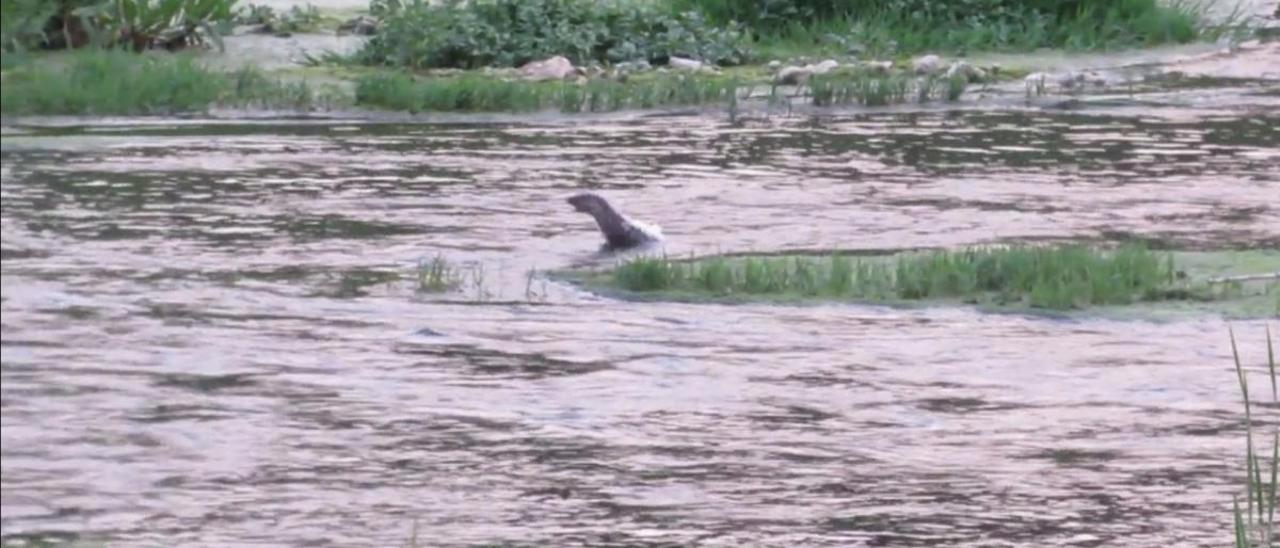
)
(619, 231)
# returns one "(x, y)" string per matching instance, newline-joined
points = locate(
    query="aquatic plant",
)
(438, 275)
(355, 282)
(1051, 277)
(112, 82)
(1254, 524)
(470, 34)
(870, 88)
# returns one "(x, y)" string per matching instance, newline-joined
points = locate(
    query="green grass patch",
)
(1066, 277)
(474, 93)
(136, 24)
(112, 82)
(438, 275)
(871, 89)
(478, 93)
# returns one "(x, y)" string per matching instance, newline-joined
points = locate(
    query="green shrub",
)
(763, 15)
(913, 25)
(22, 22)
(469, 34)
(140, 24)
(143, 24)
(298, 18)
(30, 24)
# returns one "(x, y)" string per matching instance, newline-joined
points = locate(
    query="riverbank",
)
(319, 71)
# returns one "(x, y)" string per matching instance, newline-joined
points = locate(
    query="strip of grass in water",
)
(1054, 277)
(473, 93)
(113, 82)
(862, 87)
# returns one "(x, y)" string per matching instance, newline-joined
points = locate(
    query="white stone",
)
(791, 76)
(824, 67)
(681, 63)
(928, 64)
(555, 68)
(879, 66)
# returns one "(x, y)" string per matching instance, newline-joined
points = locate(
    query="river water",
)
(210, 337)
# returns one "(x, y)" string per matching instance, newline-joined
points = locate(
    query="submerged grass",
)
(872, 89)
(438, 275)
(1054, 277)
(1254, 524)
(113, 82)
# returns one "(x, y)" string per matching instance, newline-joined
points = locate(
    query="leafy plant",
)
(469, 34)
(23, 23)
(138, 24)
(143, 24)
(298, 18)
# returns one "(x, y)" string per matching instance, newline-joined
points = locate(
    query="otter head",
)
(618, 231)
(587, 202)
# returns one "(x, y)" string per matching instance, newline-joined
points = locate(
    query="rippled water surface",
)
(210, 337)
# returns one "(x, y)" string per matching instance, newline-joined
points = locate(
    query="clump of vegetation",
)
(476, 93)
(438, 275)
(479, 33)
(904, 26)
(297, 19)
(137, 24)
(1255, 523)
(23, 23)
(874, 89)
(145, 24)
(487, 94)
(113, 82)
(1056, 277)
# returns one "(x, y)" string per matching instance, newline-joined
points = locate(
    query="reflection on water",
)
(210, 337)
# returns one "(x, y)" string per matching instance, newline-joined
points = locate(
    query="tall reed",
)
(1255, 522)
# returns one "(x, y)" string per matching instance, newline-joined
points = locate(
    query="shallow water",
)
(203, 344)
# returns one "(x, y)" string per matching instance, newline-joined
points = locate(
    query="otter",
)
(619, 231)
